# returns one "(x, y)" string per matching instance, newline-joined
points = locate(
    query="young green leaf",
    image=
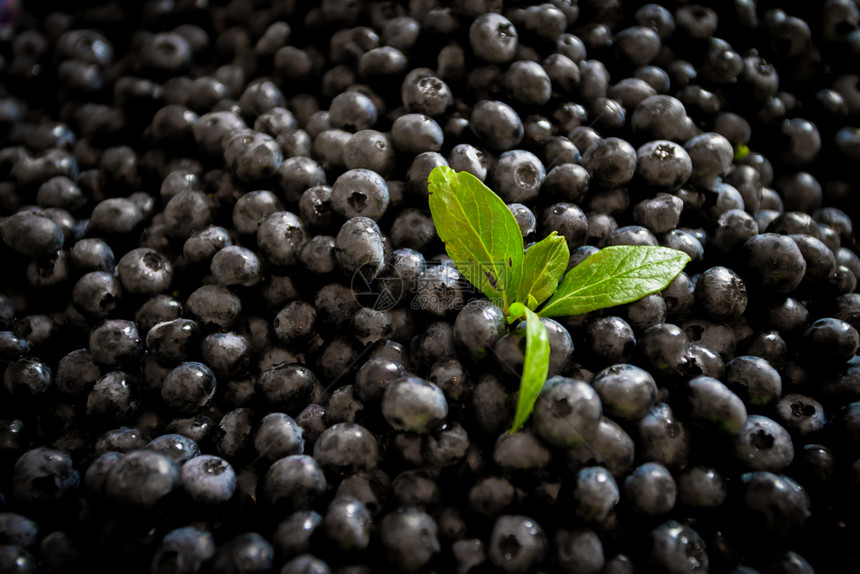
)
(543, 265)
(535, 364)
(480, 233)
(613, 276)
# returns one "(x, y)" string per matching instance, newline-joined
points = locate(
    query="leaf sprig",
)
(483, 239)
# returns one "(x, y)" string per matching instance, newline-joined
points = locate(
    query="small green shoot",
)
(483, 239)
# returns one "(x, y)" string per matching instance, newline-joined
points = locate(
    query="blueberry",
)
(141, 479)
(493, 38)
(663, 346)
(415, 405)
(372, 150)
(610, 339)
(113, 398)
(249, 553)
(610, 162)
(409, 538)
(188, 387)
(521, 450)
(721, 293)
(346, 524)
(280, 237)
(226, 354)
(416, 133)
(299, 173)
(292, 536)
(677, 548)
(663, 437)
(214, 306)
(567, 412)
(595, 494)
(91, 255)
(359, 248)
(234, 265)
(31, 234)
(212, 130)
(360, 192)
(439, 290)
(567, 220)
(712, 404)
(762, 444)
(346, 448)
(711, 157)
(774, 503)
(831, 338)
(305, 564)
(27, 378)
(800, 415)
(424, 93)
(754, 380)
(278, 436)
(517, 544)
(183, 551)
(625, 391)
(145, 271)
(293, 483)
(496, 124)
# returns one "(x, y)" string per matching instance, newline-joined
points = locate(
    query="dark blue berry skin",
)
(831, 338)
(493, 38)
(677, 549)
(97, 471)
(347, 525)
(626, 392)
(27, 378)
(567, 181)
(517, 544)
(359, 248)
(650, 490)
(713, 405)
(18, 530)
(176, 447)
(208, 479)
(775, 262)
(292, 536)
(409, 538)
(280, 238)
(183, 551)
(521, 450)
(299, 173)
(663, 164)
(248, 553)
(425, 93)
(305, 564)
(226, 354)
(145, 271)
(567, 412)
(477, 328)
(370, 149)
(141, 478)
(188, 388)
(439, 290)
(496, 124)
(754, 380)
(172, 342)
(415, 405)
(293, 483)
(721, 293)
(800, 415)
(31, 234)
(287, 387)
(773, 503)
(278, 436)
(413, 134)
(113, 399)
(610, 162)
(233, 435)
(352, 111)
(235, 265)
(595, 494)
(346, 448)
(360, 192)
(663, 438)
(214, 306)
(663, 346)
(762, 444)
(711, 156)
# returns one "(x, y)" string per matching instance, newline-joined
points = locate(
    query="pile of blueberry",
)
(231, 340)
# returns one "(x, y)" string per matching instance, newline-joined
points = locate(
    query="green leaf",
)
(480, 233)
(613, 276)
(535, 365)
(543, 265)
